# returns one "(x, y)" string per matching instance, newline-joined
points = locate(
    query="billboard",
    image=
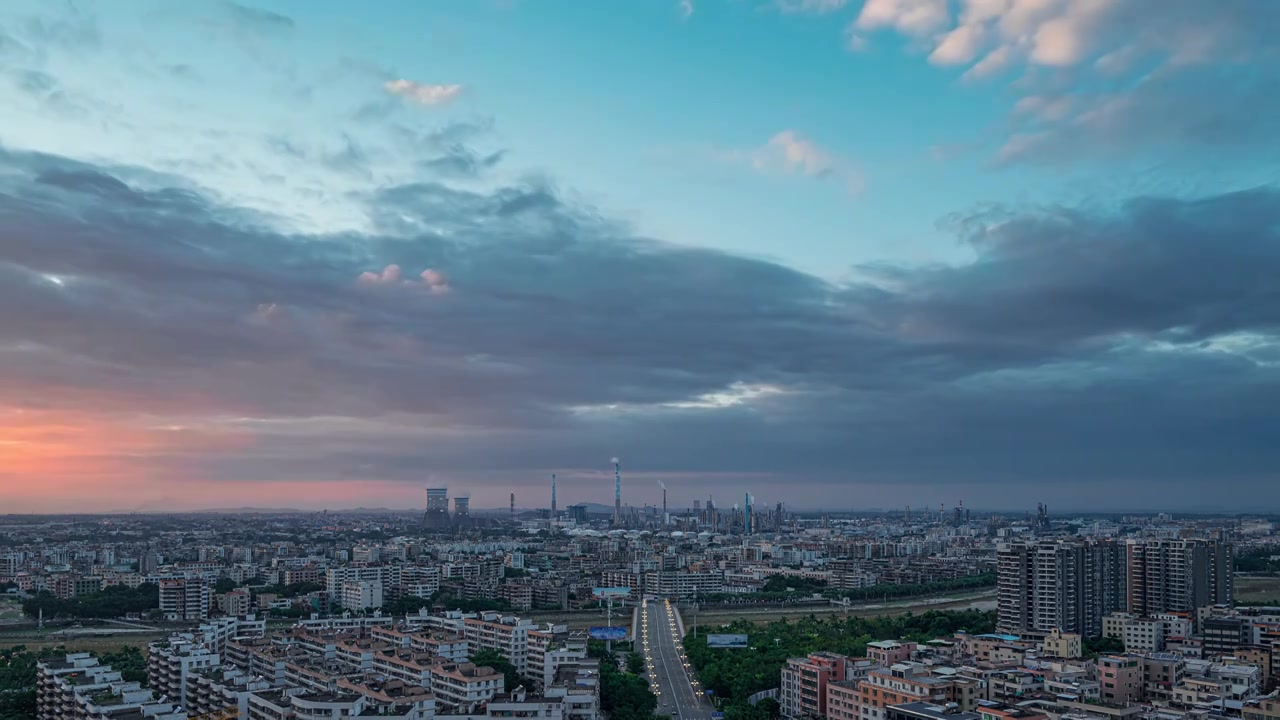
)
(607, 632)
(613, 592)
(726, 641)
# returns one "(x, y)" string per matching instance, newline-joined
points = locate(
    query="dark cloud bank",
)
(1124, 356)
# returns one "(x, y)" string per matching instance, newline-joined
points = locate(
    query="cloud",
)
(913, 17)
(459, 161)
(423, 94)
(256, 19)
(686, 8)
(790, 153)
(567, 337)
(433, 280)
(817, 7)
(1123, 62)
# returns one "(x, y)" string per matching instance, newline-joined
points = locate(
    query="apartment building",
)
(508, 635)
(442, 645)
(282, 705)
(78, 686)
(171, 664)
(906, 683)
(236, 602)
(185, 598)
(683, 584)
(803, 689)
(410, 666)
(461, 687)
(889, 652)
(219, 690)
(386, 575)
(1064, 585)
(1178, 575)
(1144, 635)
(1058, 644)
(1121, 679)
(360, 595)
(842, 700)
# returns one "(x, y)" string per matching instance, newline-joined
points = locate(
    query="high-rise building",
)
(1178, 575)
(184, 598)
(1058, 585)
(437, 515)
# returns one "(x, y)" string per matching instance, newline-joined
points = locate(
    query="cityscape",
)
(592, 613)
(640, 359)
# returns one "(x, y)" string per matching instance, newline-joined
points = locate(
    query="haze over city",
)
(833, 253)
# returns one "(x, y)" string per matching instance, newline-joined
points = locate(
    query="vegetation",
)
(111, 602)
(635, 663)
(225, 585)
(18, 675)
(510, 572)
(499, 662)
(875, 592)
(623, 695)
(789, 583)
(289, 591)
(1258, 560)
(1093, 647)
(129, 661)
(734, 675)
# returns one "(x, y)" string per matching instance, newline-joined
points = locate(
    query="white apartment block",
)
(463, 686)
(185, 598)
(387, 575)
(683, 584)
(171, 664)
(508, 635)
(361, 595)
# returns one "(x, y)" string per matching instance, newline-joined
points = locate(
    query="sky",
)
(839, 254)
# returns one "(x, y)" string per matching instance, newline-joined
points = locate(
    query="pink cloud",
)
(435, 281)
(389, 275)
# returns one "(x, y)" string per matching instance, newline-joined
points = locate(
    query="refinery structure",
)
(746, 519)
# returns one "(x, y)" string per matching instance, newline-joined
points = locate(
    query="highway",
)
(678, 695)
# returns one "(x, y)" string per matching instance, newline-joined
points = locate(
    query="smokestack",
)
(553, 496)
(513, 507)
(617, 493)
(664, 505)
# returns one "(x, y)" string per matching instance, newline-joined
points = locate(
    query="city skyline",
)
(847, 254)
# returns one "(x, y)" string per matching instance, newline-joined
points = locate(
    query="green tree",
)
(499, 662)
(224, 585)
(635, 663)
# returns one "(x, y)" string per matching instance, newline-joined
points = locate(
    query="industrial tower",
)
(617, 493)
(553, 497)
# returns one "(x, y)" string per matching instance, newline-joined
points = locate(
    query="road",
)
(678, 696)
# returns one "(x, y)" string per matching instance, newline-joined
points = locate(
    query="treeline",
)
(1258, 560)
(111, 602)
(623, 695)
(734, 675)
(874, 592)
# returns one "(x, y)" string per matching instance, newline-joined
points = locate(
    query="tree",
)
(499, 662)
(635, 663)
(224, 585)
(1093, 647)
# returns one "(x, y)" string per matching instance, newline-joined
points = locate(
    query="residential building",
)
(927, 711)
(1121, 679)
(185, 598)
(361, 595)
(1062, 645)
(1064, 585)
(1178, 575)
(803, 689)
(1143, 635)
